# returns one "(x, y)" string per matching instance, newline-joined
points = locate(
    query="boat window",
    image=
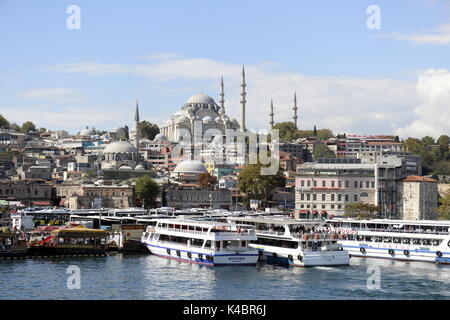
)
(378, 239)
(426, 242)
(436, 242)
(416, 241)
(369, 238)
(208, 244)
(359, 238)
(406, 240)
(351, 237)
(387, 239)
(396, 240)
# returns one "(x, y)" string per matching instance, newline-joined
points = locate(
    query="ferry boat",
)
(70, 241)
(202, 242)
(426, 241)
(12, 243)
(295, 242)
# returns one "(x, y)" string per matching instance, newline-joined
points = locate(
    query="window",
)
(406, 241)
(367, 184)
(302, 183)
(332, 184)
(355, 197)
(307, 197)
(302, 196)
(332, 197)
(355, 184)
(387, 239)
(339, 197)
(396, 240)
(308, 183)
(315, 183)
(346, 197)
(373, 184)
(323, 207)
(339, 184)
(314, 197)
(323, 196)
(324, 183)
(347, 184)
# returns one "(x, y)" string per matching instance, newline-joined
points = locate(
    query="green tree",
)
(28, 127)
(15, 127)
(361, 210)
(148, 130)
(207, 181)
(146, 190)
(322, 151)
(4, 124)
(444, 207)
(428, 141)
(287, 131)
(443, 140)
(256, 186)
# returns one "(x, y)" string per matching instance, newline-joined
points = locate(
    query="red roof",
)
(418, 179)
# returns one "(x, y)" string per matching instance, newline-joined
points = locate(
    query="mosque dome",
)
(190, 166)
(160, 137)
(87, 132)
(200, 99)
(120, 147)
(207, 119)
(107, 166)
(139, 167)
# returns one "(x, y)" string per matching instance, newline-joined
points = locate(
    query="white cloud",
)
(433, 112)
(53, 94)
(343, 104)
(438, 36)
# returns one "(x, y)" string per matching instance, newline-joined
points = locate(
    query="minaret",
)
(136, 120)
(222, 95)
(295, 110)
(271, 123)
(243, 101)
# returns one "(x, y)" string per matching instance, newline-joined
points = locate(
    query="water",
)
(150, 277)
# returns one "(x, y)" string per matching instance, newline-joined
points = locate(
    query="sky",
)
(349, 76)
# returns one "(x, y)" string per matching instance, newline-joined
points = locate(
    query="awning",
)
(41, 203)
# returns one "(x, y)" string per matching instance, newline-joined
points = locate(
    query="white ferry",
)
(203, 242)
(427, 241)
(295, 242)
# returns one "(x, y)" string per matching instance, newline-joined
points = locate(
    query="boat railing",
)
(271, 232)
(397, 231)
(213, 232)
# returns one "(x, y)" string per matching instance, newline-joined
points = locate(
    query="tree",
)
(443, 140)
(361, 210)
(257, 186)
(146, 190)
(207, 181)
(287, 130)
(148, 130)
(322, 151)
(428, 141)
(4, 124)
(444, 207)
(28, 127)
(15, 127)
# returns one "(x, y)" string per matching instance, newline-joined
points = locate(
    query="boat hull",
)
(203, 257)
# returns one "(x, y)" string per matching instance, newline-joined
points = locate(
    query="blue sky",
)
(348, 78)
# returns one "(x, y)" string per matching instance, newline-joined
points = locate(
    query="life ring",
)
(439, 254)
(406, 253)
(300, 258)
(274, 254)
(363, 251)
(290, 258)
(168, 252)
(391, 252)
